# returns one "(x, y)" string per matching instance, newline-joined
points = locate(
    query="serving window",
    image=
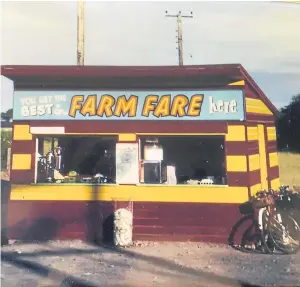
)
(164, 160)
(76, 159)
(182, 160)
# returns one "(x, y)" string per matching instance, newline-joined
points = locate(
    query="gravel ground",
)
(75, 263)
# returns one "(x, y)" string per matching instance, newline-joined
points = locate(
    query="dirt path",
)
(74, 263)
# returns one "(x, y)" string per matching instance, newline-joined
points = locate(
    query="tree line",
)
(288, 126)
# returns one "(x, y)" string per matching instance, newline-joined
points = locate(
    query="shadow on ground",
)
(166, 267)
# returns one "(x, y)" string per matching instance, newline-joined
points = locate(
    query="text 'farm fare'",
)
(158, 106)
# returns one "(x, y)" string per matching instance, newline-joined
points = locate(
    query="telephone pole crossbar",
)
(179, 17)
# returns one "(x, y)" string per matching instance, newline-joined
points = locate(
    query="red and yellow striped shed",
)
(161, 212)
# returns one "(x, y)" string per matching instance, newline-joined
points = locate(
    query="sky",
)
(263, 36)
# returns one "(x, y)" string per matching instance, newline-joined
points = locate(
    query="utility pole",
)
(179, 17)
(80, 33)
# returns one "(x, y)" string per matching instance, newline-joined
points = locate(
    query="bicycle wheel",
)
(264, 219)
(285, 233)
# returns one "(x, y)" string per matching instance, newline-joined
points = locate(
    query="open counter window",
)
(76, 159)
(182, 160)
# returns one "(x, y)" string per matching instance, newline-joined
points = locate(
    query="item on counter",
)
(71, 177)
(171, 175)
(58, 157)
(86, 179)
(72, 173)
(152, 171)
(50, 161)
(192, 181)
(206, 181)
(100, 178)
(153, 152)
(203, 181)
(58, 176)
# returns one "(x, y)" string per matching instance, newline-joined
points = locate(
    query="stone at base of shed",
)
(92, 221)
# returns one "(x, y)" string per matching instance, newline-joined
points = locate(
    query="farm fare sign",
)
(129, 105)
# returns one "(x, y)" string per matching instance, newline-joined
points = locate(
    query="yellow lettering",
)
(179, 103)
(149, 104)
(195, 106)
(89, 106)
(75, 105)
(105, 106)
(126, 107)
(163, 106)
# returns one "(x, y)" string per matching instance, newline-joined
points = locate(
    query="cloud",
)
(279, 87)
(263, 36)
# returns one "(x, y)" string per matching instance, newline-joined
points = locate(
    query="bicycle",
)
(257, 210)
(285, 232)
(275, 227)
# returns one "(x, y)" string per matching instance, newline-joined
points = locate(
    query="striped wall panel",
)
(236, 160)
(256, 110)
(241, 172)
(272, 157)
(257, 106)
(23, 155)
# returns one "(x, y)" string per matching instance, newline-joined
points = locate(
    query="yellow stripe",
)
(236, 163)
(254, 189)
(179, 193)
(235, 133)
(22, 132)
(127, 137)
(252, 133)
(271, 131)
(257, 107)
(21, 161)
(238, 83)
(181, 134)
(254, 162)
(275, 183)
(273, 159)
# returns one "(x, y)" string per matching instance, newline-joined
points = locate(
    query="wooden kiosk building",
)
(213, 131)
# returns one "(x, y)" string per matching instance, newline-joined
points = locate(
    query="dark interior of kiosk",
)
(77, 159)
(195, 159)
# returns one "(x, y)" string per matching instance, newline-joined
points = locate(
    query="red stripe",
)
(241, 148)
(22, 176)
(243, 178)
(237, 179)
(259, 118)
(134, 126)
(253, 147)
(254, 177)
(271, 146)
(23, 147)
(249, 92)
(273, 172)
(236, 148)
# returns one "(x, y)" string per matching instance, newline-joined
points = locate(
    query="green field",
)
(289, 165)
